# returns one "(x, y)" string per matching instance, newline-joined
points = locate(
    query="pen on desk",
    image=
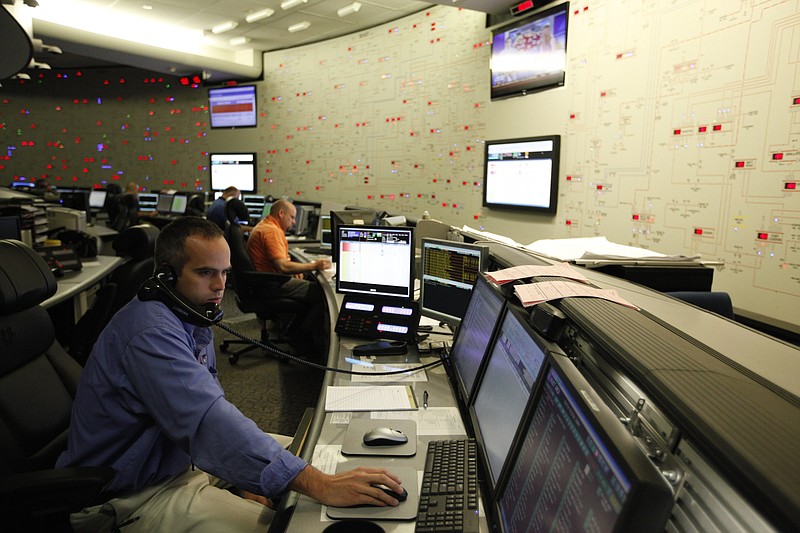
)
(425, 399)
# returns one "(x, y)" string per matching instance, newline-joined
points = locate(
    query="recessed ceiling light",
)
(258, 15)
(148, 7)
(300, 26)
(238, 41)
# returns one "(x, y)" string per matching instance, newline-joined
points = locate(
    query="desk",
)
(302, 514)
(75, 288)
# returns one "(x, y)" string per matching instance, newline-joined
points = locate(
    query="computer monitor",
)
(575, 466)
(237, 169)
(361, 217)
(324, 231)
(178, 205)
(164, 204)
(510, 374)
(375, 260)
(23, 185)
(300, 220)
(97, 198)
(448, 273)
(474, 335)
(10, 227)
(148, 201)
(255, 206)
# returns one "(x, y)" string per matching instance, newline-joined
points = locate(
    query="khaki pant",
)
(193, 501)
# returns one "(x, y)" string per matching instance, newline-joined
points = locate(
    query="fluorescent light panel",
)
(300, 26)
(349, 9)
(258, 15)
(289, 4)
(225, 26)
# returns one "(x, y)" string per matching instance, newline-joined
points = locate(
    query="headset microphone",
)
(160, 287)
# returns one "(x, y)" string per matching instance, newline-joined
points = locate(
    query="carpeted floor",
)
(274, 394)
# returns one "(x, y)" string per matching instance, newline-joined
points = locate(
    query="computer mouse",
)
(401, 496)
(383, 436)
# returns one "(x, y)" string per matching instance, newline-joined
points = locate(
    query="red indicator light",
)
(740, 164)
(599, 187)
(796, 100)
(635, 217)
(698, 231)
(676, 132)
(790, 186)
(778, 156)
(763, 236)
(718, 127)
(703, 129)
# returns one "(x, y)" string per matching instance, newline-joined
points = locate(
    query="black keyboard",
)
(317, 250)
(448, 500)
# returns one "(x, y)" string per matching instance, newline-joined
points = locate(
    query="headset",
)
(161, 287)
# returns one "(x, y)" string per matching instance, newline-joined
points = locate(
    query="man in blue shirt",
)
(216, 211)
(149, 405)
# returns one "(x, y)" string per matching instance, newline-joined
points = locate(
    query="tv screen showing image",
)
(232, 107)
(522, 174)
(530, 55)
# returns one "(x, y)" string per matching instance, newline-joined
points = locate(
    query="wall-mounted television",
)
(530, 55)
(522, 173)
(238, 170)
(232, 107)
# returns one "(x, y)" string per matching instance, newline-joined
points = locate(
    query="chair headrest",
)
(25, 278)
(137, 241)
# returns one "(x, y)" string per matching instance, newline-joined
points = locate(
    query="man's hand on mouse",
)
(345, 489)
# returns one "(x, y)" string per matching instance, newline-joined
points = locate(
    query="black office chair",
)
(38, 381)
(254, 292)
(715, 301)
(137, 245)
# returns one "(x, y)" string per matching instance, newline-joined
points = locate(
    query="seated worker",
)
(150, 406)
(128, 213)
(269, 251)
(216, 211)
(236, 213)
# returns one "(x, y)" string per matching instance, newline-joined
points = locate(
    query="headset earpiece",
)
(161, 287)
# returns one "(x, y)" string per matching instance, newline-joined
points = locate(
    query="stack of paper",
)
(370, 398)
(561, 270)
(534, 293)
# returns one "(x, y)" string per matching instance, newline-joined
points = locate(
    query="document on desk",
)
(373, 372)
(561, 270)
(535, 293)
(370, 398)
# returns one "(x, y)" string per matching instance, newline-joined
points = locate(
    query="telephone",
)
(377, 317)
(161, 287)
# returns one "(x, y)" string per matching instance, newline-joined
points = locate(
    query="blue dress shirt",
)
(149, 404)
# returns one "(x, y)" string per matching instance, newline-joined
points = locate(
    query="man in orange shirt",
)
(269, 250)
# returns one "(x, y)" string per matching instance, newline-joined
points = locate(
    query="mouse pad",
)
(407, 510)
(354, 437)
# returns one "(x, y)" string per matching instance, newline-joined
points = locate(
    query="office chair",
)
(714, 301)
(38, 381)
(137, 244)
(253, 292)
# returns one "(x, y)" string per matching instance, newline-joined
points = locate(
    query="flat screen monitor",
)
(474, 334)
(10, 227)
(575, 467)
(97, 198)
(148, 201)
(448, 273)
(266, 209)
(238, 170)
(324, 231)
(301, 219)
(375, 260)
(23, 185)
(359, 217)
(255, 206)
(522, 174)
(179, 204)
(164, 204)
(513, 368)
(530, 55)
(233, 107)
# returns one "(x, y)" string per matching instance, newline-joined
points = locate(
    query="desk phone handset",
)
(378, 317)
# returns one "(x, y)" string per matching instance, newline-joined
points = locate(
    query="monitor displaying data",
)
(97, 198)
(449, 270)
(376, 260)
(576, 468)
(474, 334)
(361, 217)
(164, 204)
(324, 231)
(148, 201)
(513, 368)
(179, 204)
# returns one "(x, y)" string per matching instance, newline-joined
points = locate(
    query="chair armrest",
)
(59, 490)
